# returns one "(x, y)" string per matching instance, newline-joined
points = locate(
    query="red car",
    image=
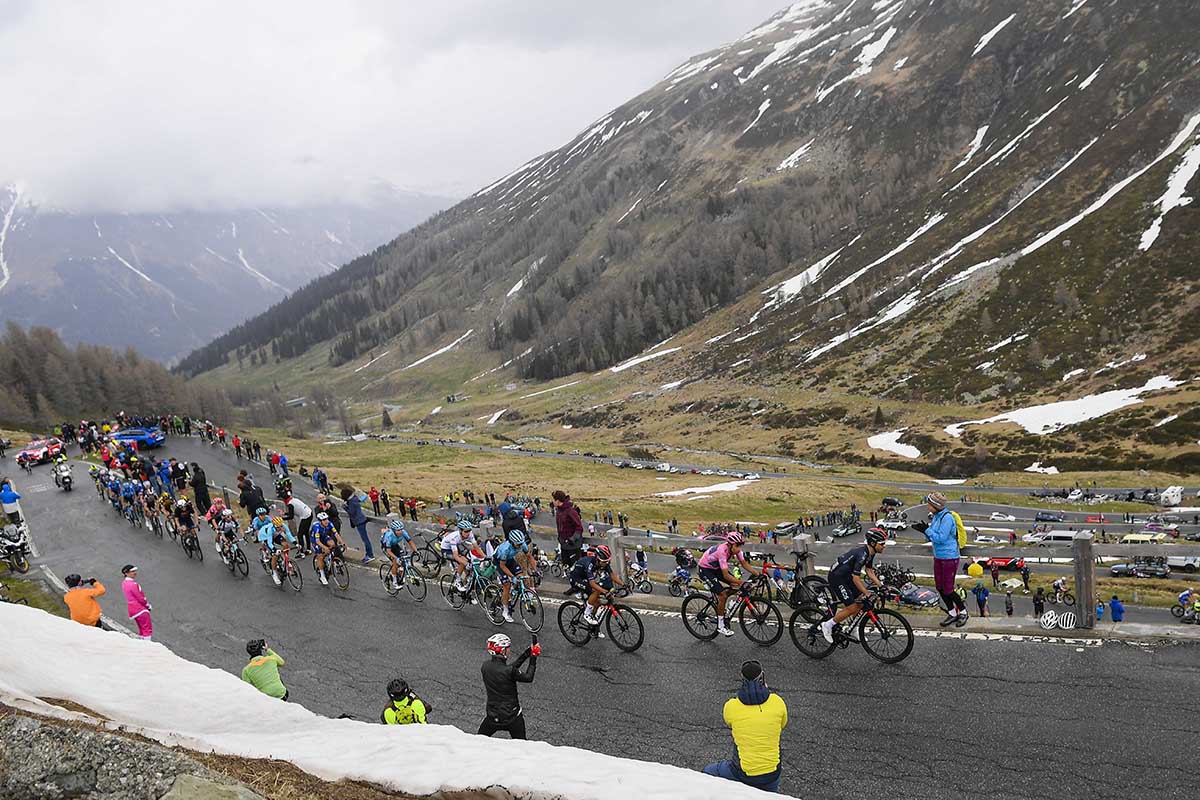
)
(1097, 518)
(40, 450)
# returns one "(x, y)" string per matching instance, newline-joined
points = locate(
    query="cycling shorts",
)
(329, 542)
(514, 568)
(397, 549)
(844, 591)
(714, 579)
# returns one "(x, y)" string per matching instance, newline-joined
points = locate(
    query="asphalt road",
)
(957, 719)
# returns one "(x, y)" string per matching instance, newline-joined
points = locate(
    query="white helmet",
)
(498, 643)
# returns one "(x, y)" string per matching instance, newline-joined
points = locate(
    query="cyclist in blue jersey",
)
(509, 557)
(325, 540)
(275, 537)
(393, 541)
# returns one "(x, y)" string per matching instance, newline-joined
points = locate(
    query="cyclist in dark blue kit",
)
(846, 583)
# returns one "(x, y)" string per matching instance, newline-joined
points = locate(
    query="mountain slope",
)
(183, 277)
(951, 204)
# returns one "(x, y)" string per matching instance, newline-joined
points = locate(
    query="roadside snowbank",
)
(148, 690)
(890, 442)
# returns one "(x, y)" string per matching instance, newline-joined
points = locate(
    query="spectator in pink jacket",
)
(135, 598)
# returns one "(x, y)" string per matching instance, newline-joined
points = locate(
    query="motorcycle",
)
(14, 546)
(62, 477)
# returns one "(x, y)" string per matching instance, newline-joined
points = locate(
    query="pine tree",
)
(386, 422)
(879, 420)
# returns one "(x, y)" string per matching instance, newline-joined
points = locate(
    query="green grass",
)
(32, 591)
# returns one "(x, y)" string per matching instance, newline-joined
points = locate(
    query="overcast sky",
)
(163, 106)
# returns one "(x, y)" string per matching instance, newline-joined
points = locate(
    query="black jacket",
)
(500, 679)
(513, 521)
(251, 497)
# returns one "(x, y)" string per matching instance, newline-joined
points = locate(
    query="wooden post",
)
(1085, 581)
(618, 555)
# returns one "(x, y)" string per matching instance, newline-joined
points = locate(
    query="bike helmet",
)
(255, 647)
(395, 525)
(465, 525)
(397, 688)
(258, 512)
(517, 538)
(603, 553)
(145, 484)
(322, 517)
(277, 522)
(876, 536)
(735, 537)
(164, 496)
(181, 502)
(639, 548)
(227, 512)
(458, 516)
(498, 643)
(73, 580)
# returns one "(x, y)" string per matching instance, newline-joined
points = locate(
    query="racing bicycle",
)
(523, 598)
(407, 576)
(335, 568)
(623, 624)
(758, 617)
(885, 634)
(286, 568)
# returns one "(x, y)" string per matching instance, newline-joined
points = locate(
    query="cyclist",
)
(1185, 598)
(227, 530)
(1060, 586)
(325, 540)
(274, 538)
(404, 707)
(717, 573)
(185, 517)
(213, 516)
(599, 581)
(846, 583)
(509, 557)
(392, 543)
(129, 492)
(456, 545)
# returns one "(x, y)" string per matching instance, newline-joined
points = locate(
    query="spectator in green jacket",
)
(263, 670)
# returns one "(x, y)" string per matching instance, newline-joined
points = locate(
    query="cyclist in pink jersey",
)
(716, 573)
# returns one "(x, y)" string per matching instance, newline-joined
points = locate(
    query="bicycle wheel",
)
(806, 637)
(812, 589)
(186, 543)
(625, 628)
(455, 598)
(295, 578)
(645, 587)
(415, 584)
(675, 588)
(493, 604)
(197, 548)
(229, 560)
(20, 563)
(385, 574)
(888, 637)
(571, 624)
(533, 615)
(556, 569)
(239, 561)
(157, 527)
(1068, 599)
(172, 530)
(761, 621)
(699, 616)
(430, 560)
(340, 574)
(1177, 610)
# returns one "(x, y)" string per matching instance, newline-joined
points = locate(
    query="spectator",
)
(1012, 538)
(1008, 604)
(358, 520)
(263, 670)
(412, 508)
(283, 464)
(81, 600)
(1117, 609)
(1039, 603)
(942, 532)
(10, 501)
(1099, 609)
(387, 501)
(316, 479)
(995, 569)
(135, 600)
(326, 505)
(404, 707)
(500, 679)
(569, 524)
(251, 497)
(1025, 577)
(199, 483)
(272, 461)
(373, 493)
(756, 717)
(981, 593)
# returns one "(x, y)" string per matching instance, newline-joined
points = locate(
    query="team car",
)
(40, 451)
(142, 438)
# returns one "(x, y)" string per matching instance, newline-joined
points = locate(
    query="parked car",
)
(892, 526)
(1144, 538)
(40, 450)
(1141, 569)
(785, 529)
(143, 438)
(999, 516)
(1048, 516)
(987, 539)
(847, 529)
(1186, 563)
(918, 596)
(890, 502)
(1098, 519)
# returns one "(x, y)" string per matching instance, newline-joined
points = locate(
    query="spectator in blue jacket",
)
(981, 593)
(283, 464)
(1116, 609)
(942, 532)
(358, 520)
(10, 501)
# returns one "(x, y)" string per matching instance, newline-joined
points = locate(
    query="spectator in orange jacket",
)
(81, 600)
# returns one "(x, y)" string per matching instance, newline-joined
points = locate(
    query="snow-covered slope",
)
(146, 689)
(165, 283)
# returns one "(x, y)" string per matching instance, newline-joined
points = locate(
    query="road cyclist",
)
(399, 548)
(326, 541)
(846, 583)
(511, 557)
(274, 539)
(456, 546)
(717, 573)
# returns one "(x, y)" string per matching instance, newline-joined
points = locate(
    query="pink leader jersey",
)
(717, 557)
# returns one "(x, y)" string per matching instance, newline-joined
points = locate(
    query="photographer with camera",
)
(263, 670)
(81, 600)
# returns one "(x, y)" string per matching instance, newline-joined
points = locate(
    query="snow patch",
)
(976, 143)
(987, 37)
(728, 486)
(899, 65)
(784, 48)
(1078, 4)
(985, 366)
(950, 481)
(495, 417)
(5, 273)
(632, 208)
(1037, 467)
(666, 387)
(1017, 337)
(1134, 359)
(926, 226)
(439, 351)
(1005, 151)
(246, 265)
(890, 442)
(135, 685)
(437, 410)
(1090, 78)
(633, 362)
(794, 285)
(866, 61)
(140, 274)
(372, 361)
(896, 310)
(332, 237)
(1166, 420)
(719, 337)
(551, 389)
(1073, 373)
(795, 158)
(762, 109)
(1050, 417)
(1175, 195)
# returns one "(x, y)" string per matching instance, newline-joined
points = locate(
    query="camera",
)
(90, 581)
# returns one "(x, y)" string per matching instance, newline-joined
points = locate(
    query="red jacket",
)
(569, 524)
